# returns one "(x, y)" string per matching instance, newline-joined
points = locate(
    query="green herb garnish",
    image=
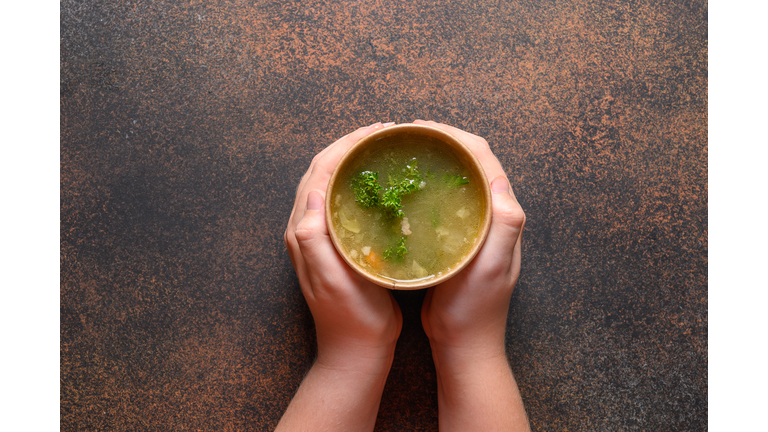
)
(366, 187)
(410, 182)
(396, 252)
(369, 193)
(398, 186)
(455, 180)
(435, 217)
(391, 202)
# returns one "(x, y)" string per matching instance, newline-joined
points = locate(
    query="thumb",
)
(508, 217)
(315, 244)
(312, 230)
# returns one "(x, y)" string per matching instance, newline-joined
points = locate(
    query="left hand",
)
(468, 313)
(355, 319)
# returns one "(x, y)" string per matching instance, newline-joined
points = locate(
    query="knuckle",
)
(479, 142)
(510, 214)
(514, 275)
(322, 164)
(315, 160)
(291, 242)
(303, 234)
(305, 231)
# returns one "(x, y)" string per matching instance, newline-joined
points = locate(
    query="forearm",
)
(336, 397)
(477, 392)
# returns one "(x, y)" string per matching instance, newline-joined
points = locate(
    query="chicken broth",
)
(407, 211)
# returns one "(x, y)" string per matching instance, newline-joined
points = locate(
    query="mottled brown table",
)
(186, 125)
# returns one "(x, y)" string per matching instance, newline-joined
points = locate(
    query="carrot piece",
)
(374, 260)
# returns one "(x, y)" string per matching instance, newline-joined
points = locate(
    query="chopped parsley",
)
(391, 202)
(366, 188)
(368, 192)
(396, 252)
(455, 180)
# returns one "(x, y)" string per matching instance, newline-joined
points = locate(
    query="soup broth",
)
(440, 215)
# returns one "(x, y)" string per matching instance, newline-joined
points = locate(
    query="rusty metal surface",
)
(185, 127)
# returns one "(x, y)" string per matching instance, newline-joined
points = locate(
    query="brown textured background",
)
(186, 125)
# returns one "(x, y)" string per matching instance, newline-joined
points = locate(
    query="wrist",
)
(468, 342)
(465, 358)
(476, 390)
(342, 390)
(355, 357)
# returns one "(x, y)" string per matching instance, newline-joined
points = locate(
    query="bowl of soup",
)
(408, 206)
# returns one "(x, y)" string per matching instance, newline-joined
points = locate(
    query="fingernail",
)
(500, 184)
(388, 124)
(375, 125)
(315, 201)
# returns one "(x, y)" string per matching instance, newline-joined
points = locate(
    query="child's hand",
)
(466, 316)
(357, 322)
(468, 313)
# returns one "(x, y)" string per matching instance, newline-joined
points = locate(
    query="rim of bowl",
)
(465, 156)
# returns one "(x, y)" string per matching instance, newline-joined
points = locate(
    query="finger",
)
(498, 252)
(518, 252)
(341, 145)
(322, 166)
(352, 138)
(508, 216)
(298, 262)
(315, 245)
(344, 141)
(333, 153)
(478, 145)
(311, 226)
